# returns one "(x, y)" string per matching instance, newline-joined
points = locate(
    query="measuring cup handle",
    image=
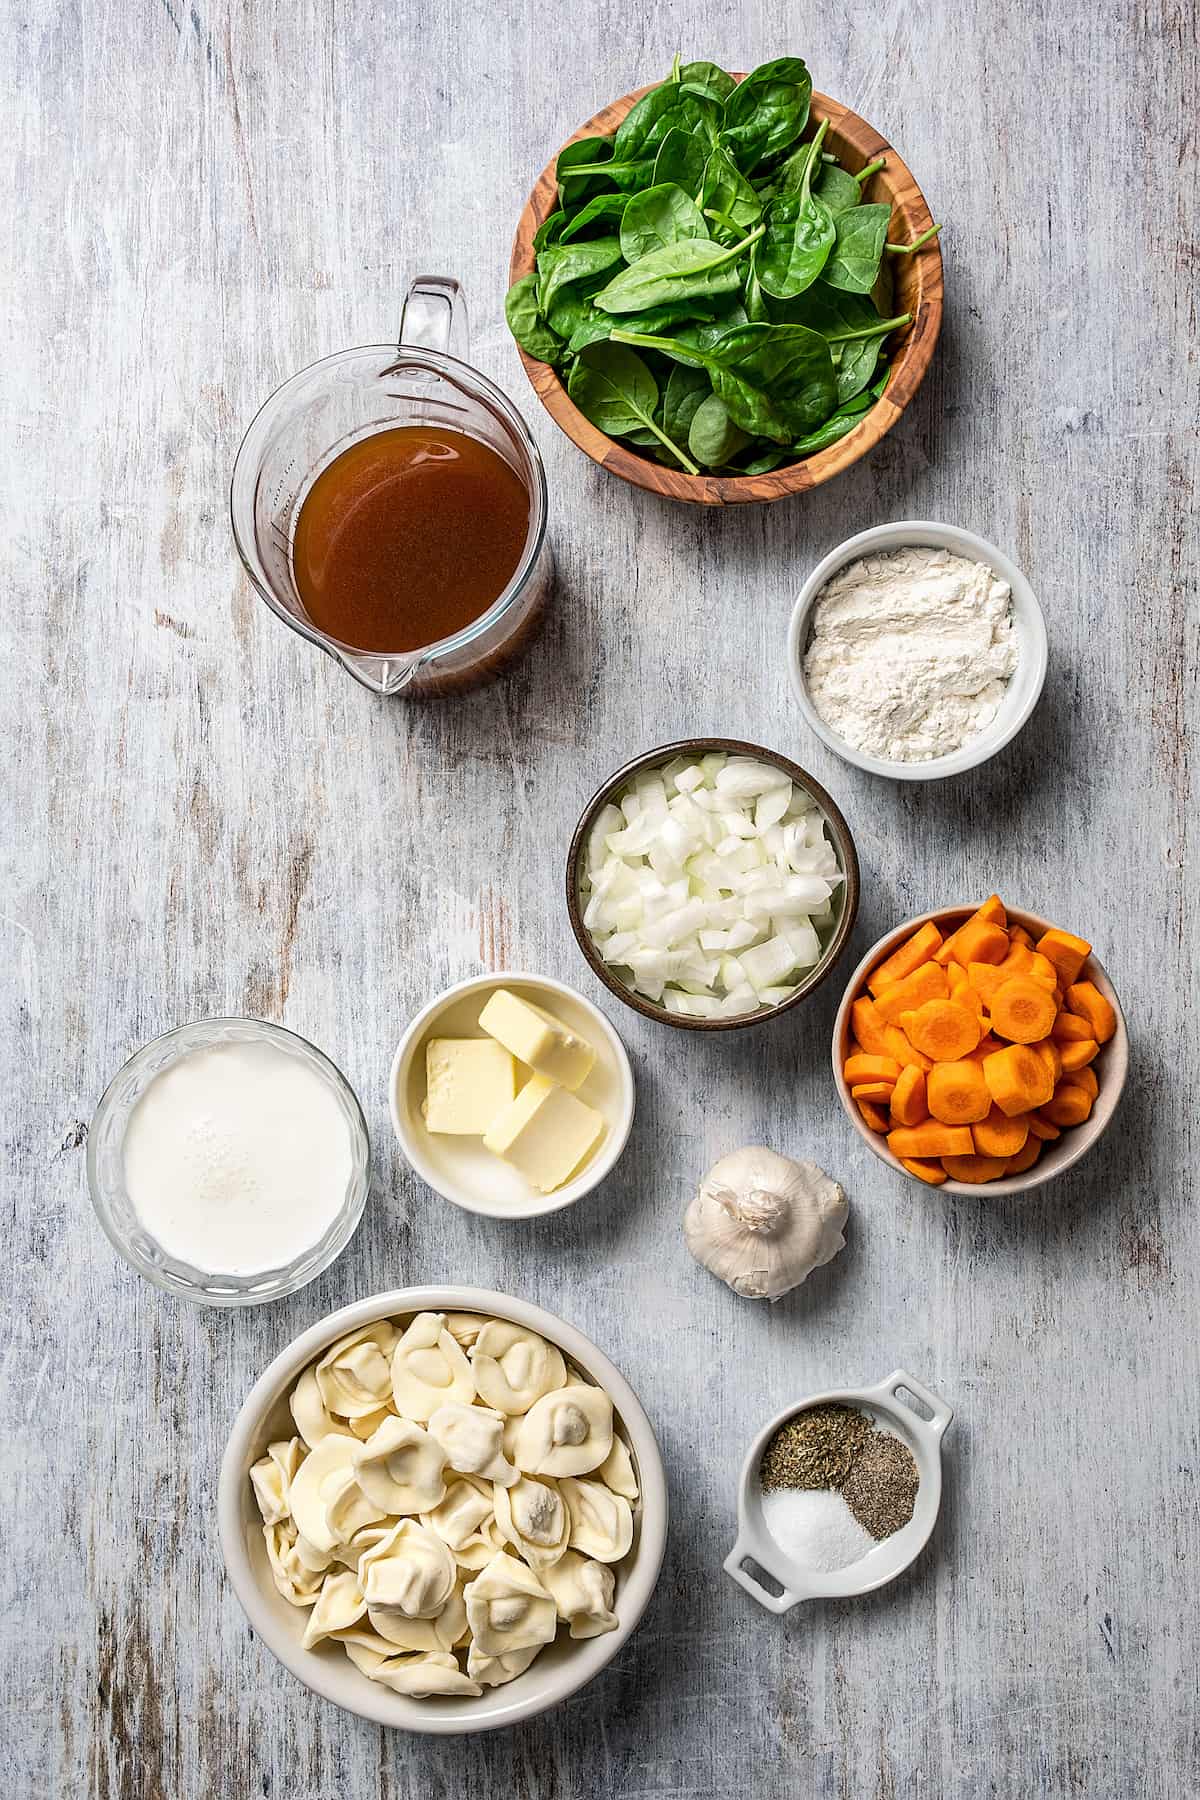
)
(942, 1414)
(434, 316)
(745, 1550)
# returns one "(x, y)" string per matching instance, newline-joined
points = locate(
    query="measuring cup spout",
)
(382, 674)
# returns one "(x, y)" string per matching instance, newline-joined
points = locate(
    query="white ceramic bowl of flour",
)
(1022, 690)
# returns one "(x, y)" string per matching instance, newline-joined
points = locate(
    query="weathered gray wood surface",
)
(201, 813)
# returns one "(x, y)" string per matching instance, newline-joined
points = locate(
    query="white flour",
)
(910, 652)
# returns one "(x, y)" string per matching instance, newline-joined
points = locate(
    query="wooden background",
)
(202, 814)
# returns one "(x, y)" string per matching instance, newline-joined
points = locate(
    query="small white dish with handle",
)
(756, 1553)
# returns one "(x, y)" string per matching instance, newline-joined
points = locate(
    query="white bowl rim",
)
(1012, 1186)
(755, 1542)
(537, 1205)
(1008, 721)
(588, 1656)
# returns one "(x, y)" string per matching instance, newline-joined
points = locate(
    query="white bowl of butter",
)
(520, 1114)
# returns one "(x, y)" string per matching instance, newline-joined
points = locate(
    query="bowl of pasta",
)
(444, 1509)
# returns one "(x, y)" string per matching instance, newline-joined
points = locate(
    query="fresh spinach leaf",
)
(664, 109)
(657, 218)
(713, 438)
(598, 326)
(764, 461)
(681, 158)
(835, 427)
(562, 264)
(612, 386)
(685, 390)
(708, 77)
(838, 190)
(550, 230)
(776, 380)
(527, 324)
(576, 164)
(800, 236)
(693, 266)
(854, 260)
(601, 209)
(768, 111)
(724, 189)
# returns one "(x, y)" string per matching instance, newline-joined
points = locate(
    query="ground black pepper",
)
(881, 1487)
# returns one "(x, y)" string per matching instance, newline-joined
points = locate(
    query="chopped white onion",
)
(708, 884)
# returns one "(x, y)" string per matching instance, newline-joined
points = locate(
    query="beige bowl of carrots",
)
(980, 1047)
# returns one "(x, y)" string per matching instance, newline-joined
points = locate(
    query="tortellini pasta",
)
(582, 1590)
(568, 1432)
(428, 1368)
(514, 1367)
(455, 1493)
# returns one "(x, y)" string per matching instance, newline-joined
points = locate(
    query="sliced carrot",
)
(964, 994)
(867, 1026)
(1086, 1079)
(904, 1052)
(1043, 972)
(908, 1105)
(1067, 952)
(985, 1046)
(1051, 1056)
(870, 1068)
(998, 1135)
(943, 1030)
(877, 1120)
(979, 940)
(1022, 1010)
(932, 1172)
(1085, 998)
(1025, 1157)
(1069, 1028)
(985, 978)
(1068, 1105)
(926, 983)
(1019, 935)
(1078, 1055)
(956, 1092)
(1042, 1128)
(974, 1168)
(880, 1091)
(1017, 1079)
(993, 911)
(931, 1139)
(911, 954)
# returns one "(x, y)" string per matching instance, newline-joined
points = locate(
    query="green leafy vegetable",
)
(711, 286)
(768, 111)
(854, 261)
(526, 323)
(614, 389)
(657, 218)
(690, 267)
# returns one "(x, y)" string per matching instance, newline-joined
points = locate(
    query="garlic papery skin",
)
(763, 1223)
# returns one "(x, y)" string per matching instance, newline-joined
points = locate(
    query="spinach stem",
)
(907, 249)
(869, 331)
(722, 218)
(691, 467)
(872, 168)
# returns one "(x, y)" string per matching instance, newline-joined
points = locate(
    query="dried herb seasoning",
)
(814, 1449)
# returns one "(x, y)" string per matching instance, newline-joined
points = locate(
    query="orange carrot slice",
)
(998, 1135)
(931, 1172)
(1067, 952)
(943, 1030)
(911, 954)
(908, 1105)
(931, 1139)
(1085, 998)
(974, 1168)
(956, 1092)
(1022, 1011)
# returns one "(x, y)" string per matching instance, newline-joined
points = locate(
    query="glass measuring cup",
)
(336, 402)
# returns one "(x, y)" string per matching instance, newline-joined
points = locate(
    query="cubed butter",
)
(545, 1133)
(538, 1038)
(468, 1083)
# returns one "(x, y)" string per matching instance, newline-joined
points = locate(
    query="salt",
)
(815, 1527)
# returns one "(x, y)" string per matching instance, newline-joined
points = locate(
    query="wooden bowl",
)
(1111, 1066)
(839, 834)
(918, 284)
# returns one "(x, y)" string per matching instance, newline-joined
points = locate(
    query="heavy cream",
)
(237, 1158)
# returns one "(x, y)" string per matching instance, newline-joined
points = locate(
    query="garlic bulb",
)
(763, 1223)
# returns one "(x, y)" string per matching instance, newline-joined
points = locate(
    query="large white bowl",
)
(459, 1168)
(1022, 693)
(564, 1666)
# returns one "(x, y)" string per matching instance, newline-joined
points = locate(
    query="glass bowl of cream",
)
(228, 1162)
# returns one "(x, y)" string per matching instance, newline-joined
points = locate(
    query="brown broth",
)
(407, 537)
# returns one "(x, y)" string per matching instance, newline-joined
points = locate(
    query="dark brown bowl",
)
(843, 845)
(918, 291)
